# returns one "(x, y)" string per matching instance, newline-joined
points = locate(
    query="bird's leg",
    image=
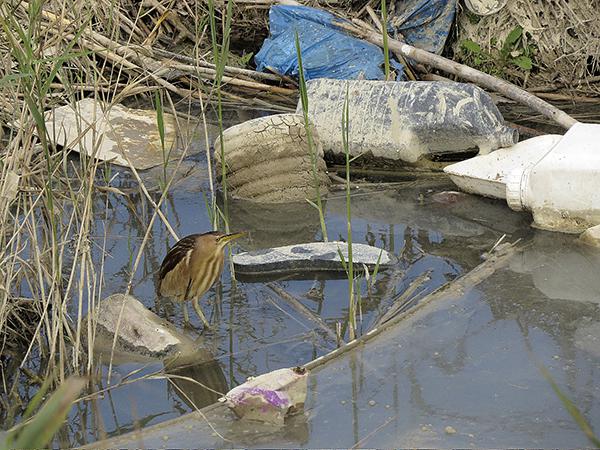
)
(186, 316)
(199, 312)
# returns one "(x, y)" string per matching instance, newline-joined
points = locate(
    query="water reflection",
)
(253, 336)
(561, 268)
(274, 225)
(471, 363)
(196, 384)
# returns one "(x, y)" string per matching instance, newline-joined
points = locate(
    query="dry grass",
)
(565, 33)
(54, 53)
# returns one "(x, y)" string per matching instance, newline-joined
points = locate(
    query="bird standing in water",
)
(192, 266)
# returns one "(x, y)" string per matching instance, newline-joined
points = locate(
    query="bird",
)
(192, 266)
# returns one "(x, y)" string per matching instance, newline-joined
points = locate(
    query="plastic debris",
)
(554, 177)
(407, 121)
(110, 132)
(326, 51)
(270, 397)
(330, 53)
(485, 7)
(486, 174)
(424, 23)
(268, 160)
(561, 189)
(313, 256)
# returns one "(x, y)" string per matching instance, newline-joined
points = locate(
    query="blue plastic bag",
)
(330, 53)
(326, 52)
(424, 23)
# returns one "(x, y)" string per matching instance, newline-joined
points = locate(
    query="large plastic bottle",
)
(562, 189)
(406, 120)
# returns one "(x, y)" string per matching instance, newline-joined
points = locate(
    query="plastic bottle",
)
(406, 120)
(561, 189)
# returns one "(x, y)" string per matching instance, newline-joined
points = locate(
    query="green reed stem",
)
(309, 136)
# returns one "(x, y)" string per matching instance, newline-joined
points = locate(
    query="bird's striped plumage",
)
(191, 266)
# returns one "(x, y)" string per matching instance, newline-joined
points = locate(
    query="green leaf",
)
(511, 40)
(571, 408)
(524, 62)
(471, 46)
(39, 431)
(513, 36)
(245, 59)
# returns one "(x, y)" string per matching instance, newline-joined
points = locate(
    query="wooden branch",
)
(475, 76)
(227, 70)
(298, 306)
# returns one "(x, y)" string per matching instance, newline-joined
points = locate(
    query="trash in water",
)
(448, 197)
(561, 189)
(407, 121)
(111, 132)
(326, 51)
(591, 236)
(313, 256)
(486, 174)
(268, 160)
(554, 177)
(270, 397)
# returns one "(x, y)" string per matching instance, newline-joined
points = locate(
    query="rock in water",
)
(313, 256)
(140, 331)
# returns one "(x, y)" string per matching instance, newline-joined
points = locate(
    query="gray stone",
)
(313, 256)
(140, 331)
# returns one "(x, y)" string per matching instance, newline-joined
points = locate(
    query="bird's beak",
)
(230, 237)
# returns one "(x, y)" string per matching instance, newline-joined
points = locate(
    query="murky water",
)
(463, 371)
(468, 363)
(256, 331)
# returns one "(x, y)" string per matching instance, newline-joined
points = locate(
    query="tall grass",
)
(318, 204)
(47, 257)
(220, 54)
(52, 265)
(350, 261)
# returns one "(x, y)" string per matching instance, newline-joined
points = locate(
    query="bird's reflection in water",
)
(197, 384)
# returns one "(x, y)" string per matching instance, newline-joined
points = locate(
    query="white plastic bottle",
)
(562, 189)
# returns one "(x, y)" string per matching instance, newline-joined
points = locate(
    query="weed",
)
(309, 136)
(514, 58)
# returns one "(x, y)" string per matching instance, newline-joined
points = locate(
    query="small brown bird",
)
(192, 266)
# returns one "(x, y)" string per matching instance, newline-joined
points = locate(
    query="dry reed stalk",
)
(140, 60)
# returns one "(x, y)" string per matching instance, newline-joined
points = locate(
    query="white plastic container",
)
(486, 174)
(561, 188)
